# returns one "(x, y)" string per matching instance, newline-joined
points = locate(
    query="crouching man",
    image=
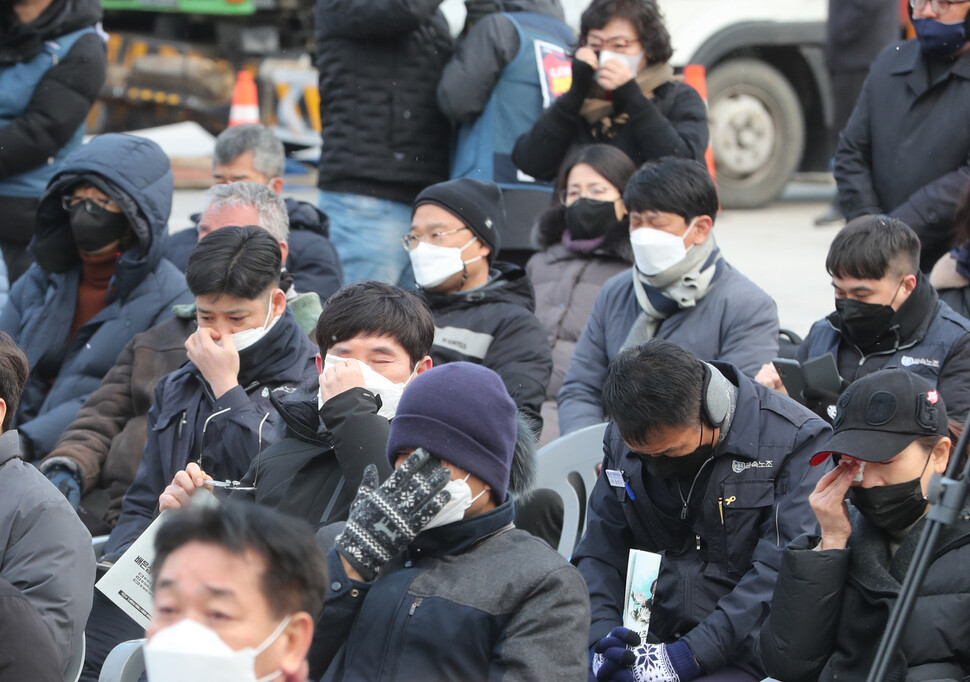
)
(430, 568)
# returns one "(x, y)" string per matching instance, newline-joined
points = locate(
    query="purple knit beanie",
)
(461, 413)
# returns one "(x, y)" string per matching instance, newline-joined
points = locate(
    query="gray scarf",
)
(679, 286)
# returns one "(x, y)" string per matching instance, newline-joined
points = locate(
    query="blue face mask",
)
(939, 40)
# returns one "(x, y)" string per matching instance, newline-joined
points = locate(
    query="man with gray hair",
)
(97, 456)
(253, 154)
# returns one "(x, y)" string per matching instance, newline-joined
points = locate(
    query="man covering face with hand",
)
(215, 410)
(435, 544)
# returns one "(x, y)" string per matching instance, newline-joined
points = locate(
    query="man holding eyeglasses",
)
(217, 409)
(483, 309)
(100, 278)
(906, 149)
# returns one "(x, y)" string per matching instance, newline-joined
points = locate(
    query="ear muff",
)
(715, 397)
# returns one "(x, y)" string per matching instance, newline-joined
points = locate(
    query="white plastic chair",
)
(73, 672)
(125, 663)
(567, 466)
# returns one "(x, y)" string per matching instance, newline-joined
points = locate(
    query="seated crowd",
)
(339, 480)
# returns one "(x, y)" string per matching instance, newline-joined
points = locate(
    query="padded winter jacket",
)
(473, 600)
(45, 551)
(379, 64)
(495, 325)
(736, 322)
(65, 371)
(830, 608)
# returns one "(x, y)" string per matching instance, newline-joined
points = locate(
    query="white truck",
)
(769, 97)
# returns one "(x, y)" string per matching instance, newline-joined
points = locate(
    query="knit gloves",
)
(384, 520)
(620, 657)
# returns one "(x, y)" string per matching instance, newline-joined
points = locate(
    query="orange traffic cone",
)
(245, 103)
(695, 75)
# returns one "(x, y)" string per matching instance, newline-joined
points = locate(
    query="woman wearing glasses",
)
(585, 240)
(623, 94)
(100, 278)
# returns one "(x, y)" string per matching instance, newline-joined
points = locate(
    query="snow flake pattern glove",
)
(384, 520)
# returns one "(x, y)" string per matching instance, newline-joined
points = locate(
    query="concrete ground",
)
(777, 246)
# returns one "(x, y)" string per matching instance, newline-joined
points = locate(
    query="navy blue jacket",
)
(313, 260)
(280, 363)
(473, 600)
(735, 322)
(65, 371)
(927, 337)
(716, 578)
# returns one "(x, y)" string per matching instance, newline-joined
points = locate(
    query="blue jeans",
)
(367, 235)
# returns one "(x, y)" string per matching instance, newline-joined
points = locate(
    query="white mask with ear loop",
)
(454, 509)
(188, 651)
(656, 251)
(248, 337)
(433, 264)
(377, 384)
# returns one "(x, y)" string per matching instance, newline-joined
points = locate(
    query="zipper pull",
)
(414, 606)
(683, 513)
(698, 539)
(181, 425)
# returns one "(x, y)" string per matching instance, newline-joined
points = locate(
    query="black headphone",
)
(715, 397)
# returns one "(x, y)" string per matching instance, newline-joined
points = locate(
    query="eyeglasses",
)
(568, 196)
(233, 485)
(92, 206)
(938, 6)
(620, 44)
(410, 241)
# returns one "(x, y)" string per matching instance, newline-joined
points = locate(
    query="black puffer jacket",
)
(65, 93)
(495, 326)
(314, 471)
(379, 64)
(830, 608)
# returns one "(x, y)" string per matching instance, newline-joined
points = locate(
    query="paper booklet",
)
(641, 580)
(128, 583)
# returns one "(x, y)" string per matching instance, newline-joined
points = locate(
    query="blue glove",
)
(612, 659)
(65, 481)
(664, 663)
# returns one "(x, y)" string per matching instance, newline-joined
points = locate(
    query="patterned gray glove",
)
(384, 520)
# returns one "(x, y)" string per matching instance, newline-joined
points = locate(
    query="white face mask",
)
(633, 61)
(248, 337)
(434, 264)
(377, 384)
(190, 652)
(655, 250)
(454, 509)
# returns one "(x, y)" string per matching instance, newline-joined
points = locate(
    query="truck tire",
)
(757, 131)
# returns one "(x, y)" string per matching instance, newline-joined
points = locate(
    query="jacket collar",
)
(911, 65)
(909, 324)
(457, 538)
(9, 446)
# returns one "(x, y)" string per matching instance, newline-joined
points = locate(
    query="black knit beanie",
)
(476, 203)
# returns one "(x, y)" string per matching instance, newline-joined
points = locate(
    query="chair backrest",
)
(567, 466)
(98, 542)
(73, 671)
(125, 663)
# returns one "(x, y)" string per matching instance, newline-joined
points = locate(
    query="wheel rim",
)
(744, 135)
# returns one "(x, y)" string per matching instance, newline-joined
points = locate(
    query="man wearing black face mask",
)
(886, 315)
(711, 470)
(906, 148)
(100, 278)
(836, 588)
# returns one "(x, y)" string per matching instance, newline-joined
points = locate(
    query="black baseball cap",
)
(878, 416)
